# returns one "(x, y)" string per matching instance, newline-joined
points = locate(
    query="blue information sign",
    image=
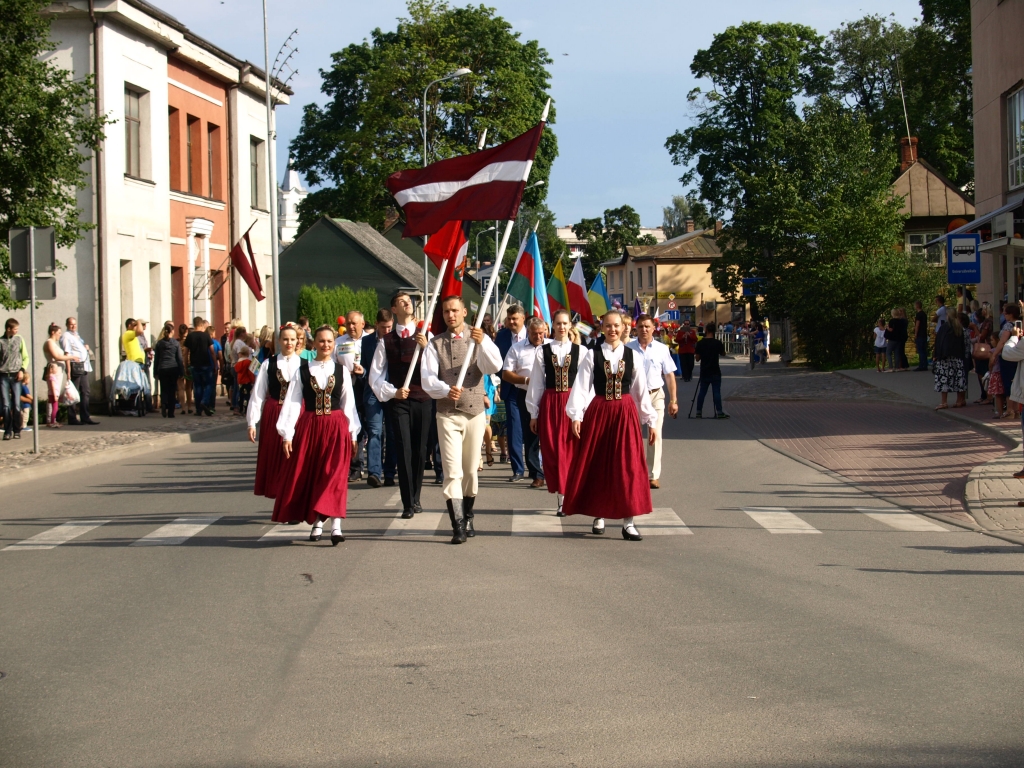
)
(963, 260)
(753, 286)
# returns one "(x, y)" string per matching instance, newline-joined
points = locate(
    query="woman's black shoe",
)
(598, 530)
(634, 536)
(315, 534)
(337, 538)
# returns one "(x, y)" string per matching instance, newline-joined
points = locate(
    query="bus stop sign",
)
(963, 260)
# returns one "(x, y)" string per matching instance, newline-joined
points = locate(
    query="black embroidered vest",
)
(321, 401)
(277, 384)
(609, 384)
(399, 353)
(561, 377)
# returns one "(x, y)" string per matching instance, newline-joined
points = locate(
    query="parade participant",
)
(554, 373)
(660, 370)
(513, 332)
(348, 349)
(318, 417)
(460, 410)
(409, 407)
(268, 395)
(516, 370)
(686, 340)
(607, 403)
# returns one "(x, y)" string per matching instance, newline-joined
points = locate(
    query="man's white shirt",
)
(658, 362)
(521, 358)
(488, 360)
(347, 350)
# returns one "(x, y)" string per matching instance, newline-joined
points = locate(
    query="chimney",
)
(689, 225)
(719, 225)
(908, 152)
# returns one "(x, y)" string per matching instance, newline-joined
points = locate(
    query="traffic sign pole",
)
(32, 335)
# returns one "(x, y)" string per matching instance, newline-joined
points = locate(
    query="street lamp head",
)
(460, 72)
(536, 184)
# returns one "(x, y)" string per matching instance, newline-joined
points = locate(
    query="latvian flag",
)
(483, 186)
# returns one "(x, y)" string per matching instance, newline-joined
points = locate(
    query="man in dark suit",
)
(513, 332)
(381, 452)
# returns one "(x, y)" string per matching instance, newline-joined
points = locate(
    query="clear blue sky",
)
(620, 92)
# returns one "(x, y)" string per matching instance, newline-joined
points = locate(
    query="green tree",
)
(49, 132)
(370, 126)
(606, 238)
(683, 208)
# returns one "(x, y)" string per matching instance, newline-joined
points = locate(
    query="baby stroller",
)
(128, 395)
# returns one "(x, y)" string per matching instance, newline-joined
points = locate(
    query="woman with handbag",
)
(56, 362)
(169, 366)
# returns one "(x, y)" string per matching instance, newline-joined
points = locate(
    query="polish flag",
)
(578, 300)
(482, 186)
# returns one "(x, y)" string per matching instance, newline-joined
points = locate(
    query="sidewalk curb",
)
(972, 494)
(882, 497)
(95, 458)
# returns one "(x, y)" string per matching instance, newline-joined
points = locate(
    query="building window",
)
(174, 147)
(650, 276)
(256, 192)
(639, 277)
(193, 156)
(132, 133)
(1015, 138)
(935, 254)
(213, 161)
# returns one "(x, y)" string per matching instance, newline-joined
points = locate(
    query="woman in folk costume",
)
(607, 403)
(268, 396)
(547, 394)
(318, 426)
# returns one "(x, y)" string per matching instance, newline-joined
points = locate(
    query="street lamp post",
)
(482, 232)
(460, 72)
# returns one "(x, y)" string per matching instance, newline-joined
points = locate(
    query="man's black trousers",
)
(411, 420)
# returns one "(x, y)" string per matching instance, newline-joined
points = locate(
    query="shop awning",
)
(973, 225)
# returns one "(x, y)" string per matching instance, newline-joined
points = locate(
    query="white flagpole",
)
(426, 322)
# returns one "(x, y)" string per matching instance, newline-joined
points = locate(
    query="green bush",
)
(323, 306)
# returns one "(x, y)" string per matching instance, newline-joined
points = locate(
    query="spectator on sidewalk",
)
(708, 352)
(995, 378)
(185, 382)
(1013, 351)
(81, 367)
(921, 336)
(941, 312)
(1008, 368)
(27, 400)
(981, 330)
(56, 360)
(686, 340)
(54, 377)
(879, 345)
(169, 366)
(949, 362)
(203, 360)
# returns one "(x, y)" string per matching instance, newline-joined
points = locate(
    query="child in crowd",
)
(879, 344)
(995, 379)
(244, 377)
(26, 401)
(54, 378)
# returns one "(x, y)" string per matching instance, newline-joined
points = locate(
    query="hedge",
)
(323, 306)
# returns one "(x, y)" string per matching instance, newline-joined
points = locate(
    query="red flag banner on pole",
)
(578, 299)
(482, 186)
(451, 244)
(245, 264)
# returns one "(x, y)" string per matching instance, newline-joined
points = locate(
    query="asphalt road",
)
(851, 643)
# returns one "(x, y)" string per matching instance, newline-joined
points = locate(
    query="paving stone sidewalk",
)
(112, 432)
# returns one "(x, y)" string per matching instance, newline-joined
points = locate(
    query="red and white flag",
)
(577, 289)
(482, 186)
(245, 264)
(451, 244)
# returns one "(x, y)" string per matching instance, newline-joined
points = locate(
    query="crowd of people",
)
(385, 402)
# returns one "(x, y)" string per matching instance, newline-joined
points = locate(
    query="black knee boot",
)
(467, 511)
(456, 515)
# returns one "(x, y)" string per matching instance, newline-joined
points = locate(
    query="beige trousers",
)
(460, 437)
(654, 451)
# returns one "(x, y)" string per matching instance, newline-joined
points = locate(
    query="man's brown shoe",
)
(538, 483)
(655, 484)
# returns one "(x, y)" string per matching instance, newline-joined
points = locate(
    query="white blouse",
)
(292, 407)
(582, 391)
(288, 366)
(535, 389)
(488, 360)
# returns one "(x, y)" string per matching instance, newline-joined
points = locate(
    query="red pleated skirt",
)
(316, 479)
(271, 464)
(558, 445)
(609, 476)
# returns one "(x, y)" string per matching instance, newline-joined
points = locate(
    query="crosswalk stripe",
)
(54, 537)
(394, 500)
(536, 522)
(779, 520)
(903, 521)
(285, 532)
(663, 521)
(178, 532)
(423, 524)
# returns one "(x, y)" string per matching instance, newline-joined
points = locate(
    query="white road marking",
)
(54, 537)
(536, 522)
(285, 532)
(662, 521)
(903, 521)
(779, 520)
(395, 500)
(178, 532)
(423, 524)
